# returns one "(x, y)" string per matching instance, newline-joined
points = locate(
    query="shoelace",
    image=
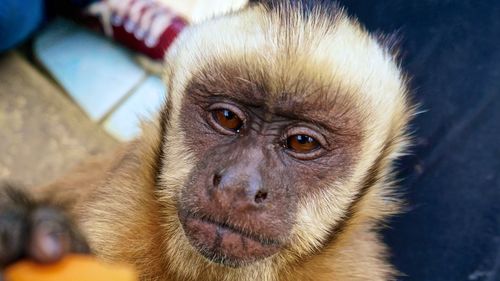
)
(146, 19)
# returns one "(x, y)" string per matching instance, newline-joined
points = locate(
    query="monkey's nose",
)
(238, 191)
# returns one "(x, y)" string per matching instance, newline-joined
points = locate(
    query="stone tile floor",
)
(100, 76)
(44, 129)
(106, 79)
(42, 132)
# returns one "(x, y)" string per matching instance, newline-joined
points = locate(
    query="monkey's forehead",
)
(283, 52)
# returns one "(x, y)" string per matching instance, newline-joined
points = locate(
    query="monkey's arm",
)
(113, 201)
(76, 189)
(35, 229)
(70, 201)
(40, 223)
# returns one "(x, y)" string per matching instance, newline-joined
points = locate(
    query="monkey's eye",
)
(227, 119)
(302, 143)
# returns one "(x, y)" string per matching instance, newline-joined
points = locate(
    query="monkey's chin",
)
(224, 244)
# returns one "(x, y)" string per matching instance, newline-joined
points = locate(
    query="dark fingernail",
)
(51, 245)
(47, 245)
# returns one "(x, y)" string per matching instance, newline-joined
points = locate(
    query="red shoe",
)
(146, 26)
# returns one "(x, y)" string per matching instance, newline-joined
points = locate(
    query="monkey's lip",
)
(225, 244)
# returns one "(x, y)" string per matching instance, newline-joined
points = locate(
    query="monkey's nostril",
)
(260, 197)
(216, 179)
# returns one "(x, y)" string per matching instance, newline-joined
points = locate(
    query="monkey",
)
(272, 158)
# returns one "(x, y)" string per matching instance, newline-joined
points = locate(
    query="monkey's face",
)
(256, 157)
(271, 141)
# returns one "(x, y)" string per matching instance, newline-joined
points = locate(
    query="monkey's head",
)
(280, 128)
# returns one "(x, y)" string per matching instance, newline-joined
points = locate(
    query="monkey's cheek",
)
(222, 245)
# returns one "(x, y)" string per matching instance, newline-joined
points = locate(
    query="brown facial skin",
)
(255, 162)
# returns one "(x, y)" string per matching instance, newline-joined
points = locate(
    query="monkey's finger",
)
(50, 237)
(12, 236)
(79, 243)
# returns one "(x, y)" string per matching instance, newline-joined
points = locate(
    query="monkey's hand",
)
(40, 231)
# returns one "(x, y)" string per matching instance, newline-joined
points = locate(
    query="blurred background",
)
(76, 77)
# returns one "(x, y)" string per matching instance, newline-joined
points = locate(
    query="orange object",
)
(70, 268)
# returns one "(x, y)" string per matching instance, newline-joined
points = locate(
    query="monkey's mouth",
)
(223, 243)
